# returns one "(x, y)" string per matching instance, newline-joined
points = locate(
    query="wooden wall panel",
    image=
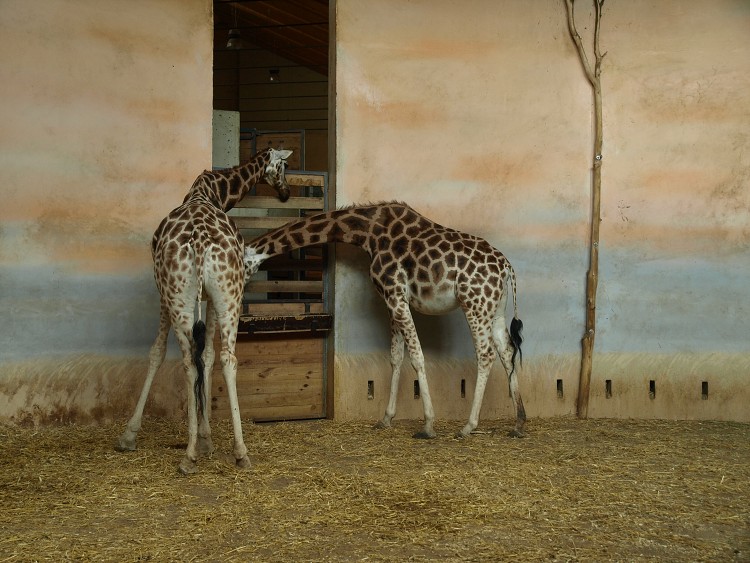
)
(278, 377)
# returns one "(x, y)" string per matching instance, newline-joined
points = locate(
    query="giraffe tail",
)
(199, 339)
(516, 327)
(199, 343)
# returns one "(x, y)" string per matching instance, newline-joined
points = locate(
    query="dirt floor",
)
(599, 490)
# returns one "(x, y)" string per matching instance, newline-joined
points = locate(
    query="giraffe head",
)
(274, 172)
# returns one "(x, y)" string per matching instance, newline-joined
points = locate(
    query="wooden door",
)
(283, 332)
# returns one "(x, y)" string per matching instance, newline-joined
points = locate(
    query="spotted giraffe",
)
(417, 263)
(197, 251)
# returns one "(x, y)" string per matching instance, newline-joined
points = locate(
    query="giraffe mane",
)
(373, 204)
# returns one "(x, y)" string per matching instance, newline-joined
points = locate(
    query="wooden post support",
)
(592, 277)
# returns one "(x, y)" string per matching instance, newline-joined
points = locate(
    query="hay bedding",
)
(322, 490)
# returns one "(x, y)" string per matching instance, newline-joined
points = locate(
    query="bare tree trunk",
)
(592, 277)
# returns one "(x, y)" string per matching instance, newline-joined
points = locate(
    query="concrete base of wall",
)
(549, 387)
(86, 389)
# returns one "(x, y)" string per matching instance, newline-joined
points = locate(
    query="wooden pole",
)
(592, 277)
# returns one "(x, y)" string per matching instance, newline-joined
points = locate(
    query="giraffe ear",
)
(284, 154)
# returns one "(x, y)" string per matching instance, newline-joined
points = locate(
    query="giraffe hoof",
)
(187, 467)
(125, 444)
(460, 435)
(424, 435)
(515, 433)
(205, 447)
(121, 446)
(243, 463)
(380, 425)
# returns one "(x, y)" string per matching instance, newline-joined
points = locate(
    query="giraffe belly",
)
(434, 303)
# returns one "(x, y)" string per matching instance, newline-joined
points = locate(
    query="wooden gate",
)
(283, 331)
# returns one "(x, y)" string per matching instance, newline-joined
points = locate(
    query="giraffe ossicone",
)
(416, 263)
(198, 250)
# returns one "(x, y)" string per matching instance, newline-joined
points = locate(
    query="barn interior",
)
(271, 66)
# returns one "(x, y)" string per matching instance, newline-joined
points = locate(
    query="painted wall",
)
(106, 120)
(479, 115)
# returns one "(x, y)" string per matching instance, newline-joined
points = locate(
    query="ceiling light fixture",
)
(274, 75)
(235, 39)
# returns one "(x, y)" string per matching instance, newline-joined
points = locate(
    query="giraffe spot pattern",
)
(397, 229)
(438, 270)
(399, 247)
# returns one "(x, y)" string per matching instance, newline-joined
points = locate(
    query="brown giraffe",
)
(416, 262)
(197, 251)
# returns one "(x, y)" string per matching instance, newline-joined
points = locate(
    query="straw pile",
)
(327, 491)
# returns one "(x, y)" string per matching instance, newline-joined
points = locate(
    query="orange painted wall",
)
(106, 121)
(478, 114)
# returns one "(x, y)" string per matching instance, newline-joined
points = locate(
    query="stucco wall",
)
(478, 115)
(106, 120)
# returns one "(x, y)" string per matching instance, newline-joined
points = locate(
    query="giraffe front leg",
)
(417, 360)
(397, 358)
(404, 324)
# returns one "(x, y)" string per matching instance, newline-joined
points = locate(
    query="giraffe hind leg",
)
(127, 440)
(507, 351)
(188, 463)
(205, 443)
(227, 311)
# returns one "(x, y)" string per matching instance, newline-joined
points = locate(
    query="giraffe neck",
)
(225, 188)
(359, 226)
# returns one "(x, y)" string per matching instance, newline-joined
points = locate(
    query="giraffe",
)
(197, 252)
(417, 263)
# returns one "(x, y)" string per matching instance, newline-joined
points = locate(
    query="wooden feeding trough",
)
(283, 331)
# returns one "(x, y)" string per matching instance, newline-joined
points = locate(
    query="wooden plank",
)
(285, 323)
(301, 407)
(302, 179)
(277, 378)
(281, 400)
(260, 222)
(284, 286)
(262, 413)
(270, 202)
(276, 386)
(251, 375)
(310, 262)
(259, 363)
(278, 308)
(284, 308)
(263, 347)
